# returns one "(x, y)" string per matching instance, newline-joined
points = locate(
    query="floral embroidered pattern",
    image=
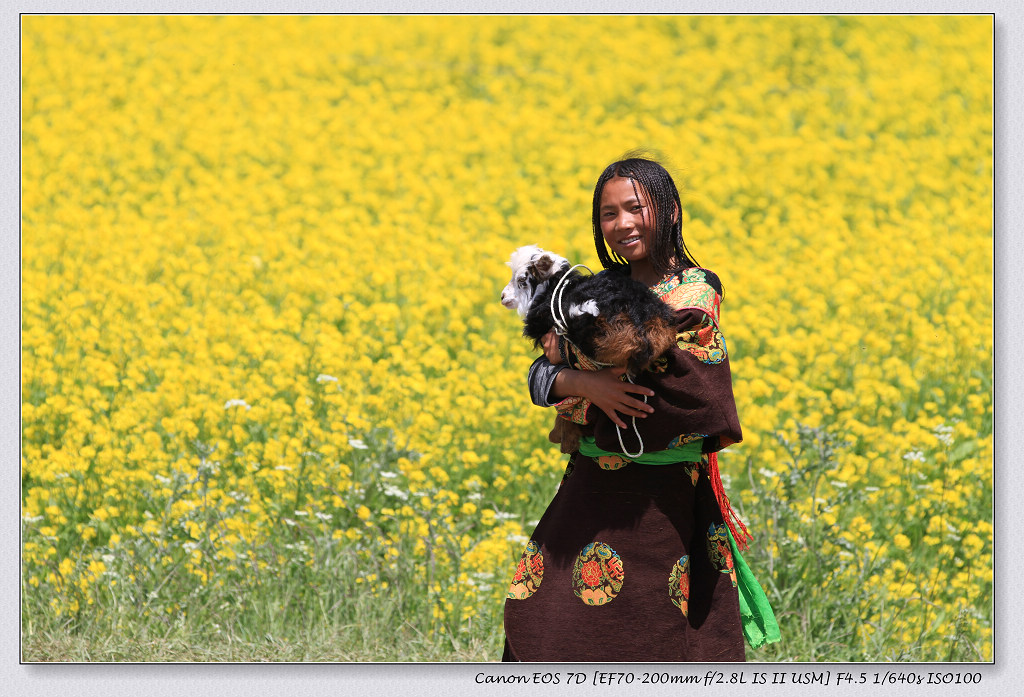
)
(597, 574)
(691, 275)
(690, 289)
(573, 409)
(719, 550)
(693, 470)
(612, 462)
(679, 584)
(529, 573)
(684, 438)
(705, 342)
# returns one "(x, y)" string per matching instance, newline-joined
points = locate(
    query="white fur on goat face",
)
(527, 281)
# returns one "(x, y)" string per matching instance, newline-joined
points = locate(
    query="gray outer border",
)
(403, 679)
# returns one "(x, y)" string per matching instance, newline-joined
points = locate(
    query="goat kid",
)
(609, 318)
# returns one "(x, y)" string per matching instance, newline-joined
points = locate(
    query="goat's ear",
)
(541, 266)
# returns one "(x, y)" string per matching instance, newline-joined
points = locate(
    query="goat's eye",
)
(522, 282)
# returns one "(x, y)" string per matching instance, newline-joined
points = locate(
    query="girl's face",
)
(627, 221)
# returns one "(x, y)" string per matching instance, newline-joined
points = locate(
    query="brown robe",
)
(631, 562)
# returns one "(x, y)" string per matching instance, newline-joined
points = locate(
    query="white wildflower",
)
(944, 434)
(322, 378)
(396, 492)
(357, 444)
(236, 403)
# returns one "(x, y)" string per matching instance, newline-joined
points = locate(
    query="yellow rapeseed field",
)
(264, 365)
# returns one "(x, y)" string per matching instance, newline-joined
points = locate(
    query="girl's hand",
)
(612, 396)
(605, 390)
(549, 342)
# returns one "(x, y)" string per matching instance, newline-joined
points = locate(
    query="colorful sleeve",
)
(692, 382)
(575, 409)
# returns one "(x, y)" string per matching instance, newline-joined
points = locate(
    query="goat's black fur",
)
(619, 300)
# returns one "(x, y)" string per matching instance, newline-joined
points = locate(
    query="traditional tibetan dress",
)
(636, 558)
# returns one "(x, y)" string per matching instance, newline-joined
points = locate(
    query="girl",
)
(636, 558)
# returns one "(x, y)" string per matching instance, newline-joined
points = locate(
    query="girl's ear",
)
(675, 213)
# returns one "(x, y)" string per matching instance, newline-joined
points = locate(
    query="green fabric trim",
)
(759, 624)
(688, 452)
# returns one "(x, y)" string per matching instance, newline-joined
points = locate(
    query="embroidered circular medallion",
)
(719, 551)
(529, 573)
(679, 584)
(612, 462)
(597, 574)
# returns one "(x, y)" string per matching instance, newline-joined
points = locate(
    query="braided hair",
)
(668, 252)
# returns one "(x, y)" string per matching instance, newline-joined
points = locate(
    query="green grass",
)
(302, 596)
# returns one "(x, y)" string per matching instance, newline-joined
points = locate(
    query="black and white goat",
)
(610, 318)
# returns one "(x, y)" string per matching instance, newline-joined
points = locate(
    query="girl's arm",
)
(542, 377)
(551, 382)
(604, 389)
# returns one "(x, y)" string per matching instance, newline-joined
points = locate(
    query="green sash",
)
(759, 624)
(687, 452)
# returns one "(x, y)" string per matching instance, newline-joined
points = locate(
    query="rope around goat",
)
(561, 329)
